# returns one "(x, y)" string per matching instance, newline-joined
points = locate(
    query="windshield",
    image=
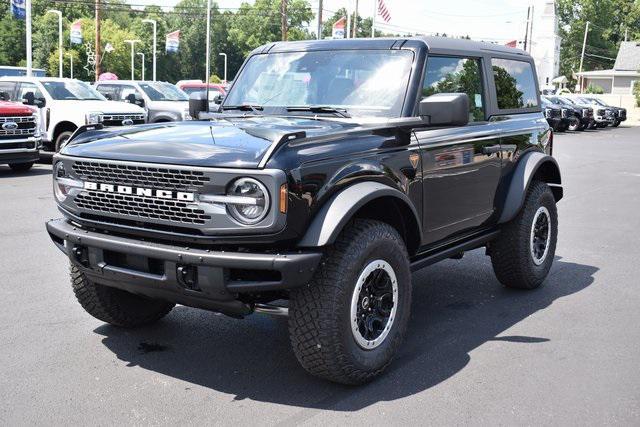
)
(596, 101)
(365, 83)
(162, 91)
(72, 90)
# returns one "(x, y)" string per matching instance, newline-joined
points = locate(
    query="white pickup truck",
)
(67, 104)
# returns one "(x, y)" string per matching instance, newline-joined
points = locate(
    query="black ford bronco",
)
(331, 171)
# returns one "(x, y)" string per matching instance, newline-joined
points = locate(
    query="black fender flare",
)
(340, 208)
(523, 173)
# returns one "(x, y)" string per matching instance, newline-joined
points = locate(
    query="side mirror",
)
(131, 98)
(139, 102)
(40, 102)
(218, 99)
(445, 109)
(4, 96)
(109, 96)
(198, 103)
(29, 98)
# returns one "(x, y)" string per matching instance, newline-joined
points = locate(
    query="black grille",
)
(109, 119)
(140, 176)
(141, 207)
(550, 113)
(566, 113)
(622, 114)
(601, 112)
(26, 127)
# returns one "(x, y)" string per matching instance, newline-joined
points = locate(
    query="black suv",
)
(332, 170)
(583, 113)
(557, 116)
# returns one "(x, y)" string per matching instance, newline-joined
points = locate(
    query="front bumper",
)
(213, 280)
(19, 150)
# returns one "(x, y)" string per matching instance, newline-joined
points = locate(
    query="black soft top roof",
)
(433, 44)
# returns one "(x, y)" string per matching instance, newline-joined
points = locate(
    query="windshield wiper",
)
(244, 107)
(340, 112)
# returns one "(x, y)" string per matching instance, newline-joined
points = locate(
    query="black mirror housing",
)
(29, 98)
(218, 99)
(198, 103)
(445, 109)
(131, 98)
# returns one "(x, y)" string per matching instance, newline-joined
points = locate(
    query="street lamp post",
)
(142, 55)
(71, 62)
(57, 12)
(225, 65)
(133, 65)
(155, 28)
(208, 53)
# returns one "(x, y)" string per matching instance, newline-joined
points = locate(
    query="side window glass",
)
(128, 90)
(515, 85)
(109, 91)
(7, 91)
(447, 74)
(29, 87)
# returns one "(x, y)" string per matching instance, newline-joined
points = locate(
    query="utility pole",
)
(531, 29)
(133, 55)
(155, 38)
(319, 20)
(98, 55)
(71, 62)
(584, 45)
(348, 32)
(283, 19)
(526, 31)
(57, 12)
(373, 20)
(208, 53)
(626, 34)
(355, 21)
(27, 7)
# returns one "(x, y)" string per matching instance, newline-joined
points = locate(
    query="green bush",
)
(595, 89)
(636, 92)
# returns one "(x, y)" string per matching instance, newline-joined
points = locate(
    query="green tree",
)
(507, 89)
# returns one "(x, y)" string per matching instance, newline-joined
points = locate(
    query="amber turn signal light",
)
(283, 198)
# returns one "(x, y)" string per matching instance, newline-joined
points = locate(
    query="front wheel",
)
(523, 253)
(616, 123)
(574, 124)
(348, 323)
(115, 306)
(61, 139)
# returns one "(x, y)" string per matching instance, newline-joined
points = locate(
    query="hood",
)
(229, 142)
(175, 106)
(107, 106)
(13, 108)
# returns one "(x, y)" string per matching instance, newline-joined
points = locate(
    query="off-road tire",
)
(616, 123)
(21, 167)
(61, 139)
(319, 313)
(115, 306)
(513, 262)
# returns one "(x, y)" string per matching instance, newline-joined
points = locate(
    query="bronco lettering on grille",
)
(139, 191)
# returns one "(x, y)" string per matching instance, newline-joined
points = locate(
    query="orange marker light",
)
(283, 198)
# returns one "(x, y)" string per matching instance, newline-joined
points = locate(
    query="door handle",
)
(491, 150)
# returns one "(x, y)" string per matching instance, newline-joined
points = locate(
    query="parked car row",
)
(582, 112)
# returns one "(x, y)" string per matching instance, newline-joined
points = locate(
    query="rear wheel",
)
(21, 167)
(616, 123)
(348, 323)
(523, 252)
(115, 306)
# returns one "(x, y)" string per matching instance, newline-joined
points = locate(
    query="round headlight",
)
(250, 203)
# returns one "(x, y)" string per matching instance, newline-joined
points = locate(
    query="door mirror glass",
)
(4, 96)
(29, 98)
(445, 109)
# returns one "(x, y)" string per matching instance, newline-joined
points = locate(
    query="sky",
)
(490, 20)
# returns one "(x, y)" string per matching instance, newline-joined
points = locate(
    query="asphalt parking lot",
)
(477, 353)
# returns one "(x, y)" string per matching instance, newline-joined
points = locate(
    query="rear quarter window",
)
(515, 84)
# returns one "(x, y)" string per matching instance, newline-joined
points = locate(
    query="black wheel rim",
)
(540, 235)
(373, 304)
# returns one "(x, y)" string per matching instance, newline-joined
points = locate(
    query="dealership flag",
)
(76, 32)
(18, 9)
(383, 11)
(173, 42)
(512, 43)
(338, 29)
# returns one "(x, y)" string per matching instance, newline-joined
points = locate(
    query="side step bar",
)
(438, 254)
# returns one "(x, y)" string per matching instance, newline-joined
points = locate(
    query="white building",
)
(621, 78)
(545, 41)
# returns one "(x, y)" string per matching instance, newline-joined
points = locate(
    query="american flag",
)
(383, 11)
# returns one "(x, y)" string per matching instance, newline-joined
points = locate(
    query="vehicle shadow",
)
(457, 307)
(36, 170)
